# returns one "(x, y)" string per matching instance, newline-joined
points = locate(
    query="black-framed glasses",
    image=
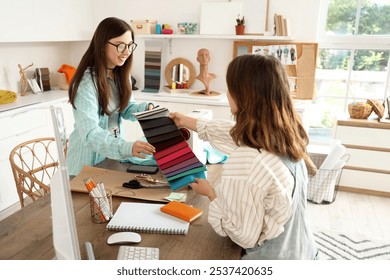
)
(122, 47)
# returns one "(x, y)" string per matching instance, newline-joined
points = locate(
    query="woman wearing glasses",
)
(100, 93)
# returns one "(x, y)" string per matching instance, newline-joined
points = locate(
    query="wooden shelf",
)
(371, 122)
(212, 36)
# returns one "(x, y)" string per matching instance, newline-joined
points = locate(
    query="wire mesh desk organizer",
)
(323, 186)
(173, 155)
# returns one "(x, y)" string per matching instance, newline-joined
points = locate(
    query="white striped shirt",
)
(253, 192)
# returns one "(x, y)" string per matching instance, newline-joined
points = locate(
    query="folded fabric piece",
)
(7, 96)
(213, 156)
(149, 160)
(183, 169)
(165, 144)
(151, 114)
(189, 172)
(160, 130)
(170, 150)
(163, 137)
(155, 116)
(152, 70)
(176, 161)
(157, 122)
(175, 155)
(184, 181)
(68, 70)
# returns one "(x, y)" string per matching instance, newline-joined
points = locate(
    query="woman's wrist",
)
(212, 195)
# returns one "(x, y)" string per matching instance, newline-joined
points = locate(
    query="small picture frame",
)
(34, 85)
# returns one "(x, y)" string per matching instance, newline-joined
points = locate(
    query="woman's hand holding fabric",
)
(142, 147)
(203, 187)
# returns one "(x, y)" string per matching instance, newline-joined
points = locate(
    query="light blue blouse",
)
(91, 142)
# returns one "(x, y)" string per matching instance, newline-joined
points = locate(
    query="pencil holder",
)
(101, 207)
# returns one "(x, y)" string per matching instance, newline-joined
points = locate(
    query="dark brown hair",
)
(265, 118)
(94, 59)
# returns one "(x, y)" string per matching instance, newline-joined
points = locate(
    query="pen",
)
(104, 194)
(101, 202)
(96, 206)
(98, 199)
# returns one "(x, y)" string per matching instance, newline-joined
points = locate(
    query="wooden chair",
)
(33, 164)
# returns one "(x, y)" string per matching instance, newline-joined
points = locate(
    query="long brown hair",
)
(265, 117)
(94, 59)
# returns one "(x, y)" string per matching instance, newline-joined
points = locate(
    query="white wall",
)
(45, 54)
(303, 16)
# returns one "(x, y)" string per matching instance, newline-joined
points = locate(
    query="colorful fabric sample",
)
(152, 71)
(174, 157)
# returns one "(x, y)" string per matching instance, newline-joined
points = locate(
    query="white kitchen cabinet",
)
(45, 20)
(22, 127)
(367, 143)
(27, 118)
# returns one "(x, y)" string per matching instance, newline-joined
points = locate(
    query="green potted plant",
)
(240, 26)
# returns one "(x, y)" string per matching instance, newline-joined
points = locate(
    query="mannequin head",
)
(203, 56)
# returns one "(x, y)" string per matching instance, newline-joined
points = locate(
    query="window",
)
(353, 60)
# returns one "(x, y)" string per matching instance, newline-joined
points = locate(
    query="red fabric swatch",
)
(175, 155)
(170, 150)
(176, 161)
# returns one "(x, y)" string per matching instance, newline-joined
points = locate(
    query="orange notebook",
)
(182, 211)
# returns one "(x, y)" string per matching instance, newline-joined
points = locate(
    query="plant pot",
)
(240, 29)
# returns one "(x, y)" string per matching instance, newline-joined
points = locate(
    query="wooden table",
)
(27, 234)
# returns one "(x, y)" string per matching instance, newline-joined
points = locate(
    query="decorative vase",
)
(240, 29)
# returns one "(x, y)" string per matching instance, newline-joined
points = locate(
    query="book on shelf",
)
(286, 24)
(146, 217)
(282, 25)
(182, 211)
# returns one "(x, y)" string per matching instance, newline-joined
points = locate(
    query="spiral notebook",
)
(146, 217)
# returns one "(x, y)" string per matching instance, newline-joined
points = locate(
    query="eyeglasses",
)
(122, 47)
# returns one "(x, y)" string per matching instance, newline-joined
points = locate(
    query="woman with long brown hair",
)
(259, 201)
(101, 96)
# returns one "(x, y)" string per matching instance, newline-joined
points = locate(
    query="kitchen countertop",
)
(187, 98)
(220, 100)
(33, 100)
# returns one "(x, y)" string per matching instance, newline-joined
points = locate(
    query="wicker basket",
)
(359, 110)
(377, 107)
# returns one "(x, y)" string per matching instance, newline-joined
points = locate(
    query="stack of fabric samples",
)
(173, 155)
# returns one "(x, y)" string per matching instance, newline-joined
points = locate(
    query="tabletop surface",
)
(27, 234)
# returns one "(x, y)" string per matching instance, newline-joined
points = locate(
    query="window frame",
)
(350, 43)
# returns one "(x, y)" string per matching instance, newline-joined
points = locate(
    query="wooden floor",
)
(354, 213)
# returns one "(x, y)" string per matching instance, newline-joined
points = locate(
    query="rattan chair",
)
(33, 164)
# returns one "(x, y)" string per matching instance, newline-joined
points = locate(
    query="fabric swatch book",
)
(146, 217)
(173, 155)
(182, 211)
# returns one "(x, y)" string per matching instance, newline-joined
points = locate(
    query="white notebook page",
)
(146, 217)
